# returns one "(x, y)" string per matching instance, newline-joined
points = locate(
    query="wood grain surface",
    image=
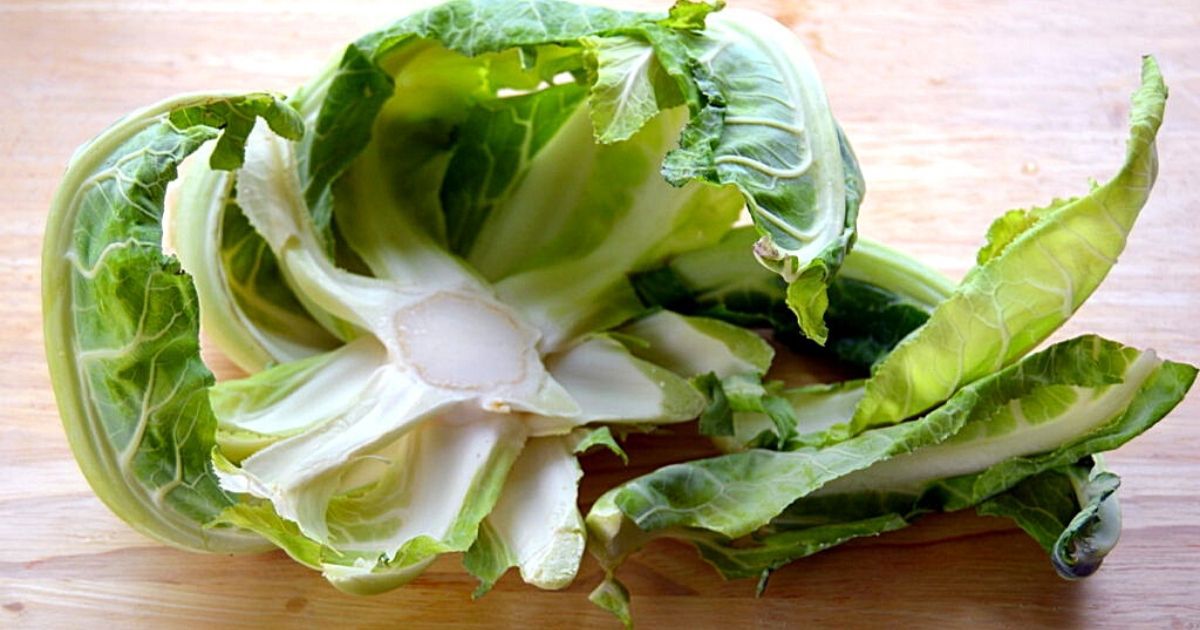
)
(958, 111)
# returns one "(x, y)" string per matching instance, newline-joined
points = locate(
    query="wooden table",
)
(957, 112)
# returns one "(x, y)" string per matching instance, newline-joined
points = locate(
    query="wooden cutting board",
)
(958, 111)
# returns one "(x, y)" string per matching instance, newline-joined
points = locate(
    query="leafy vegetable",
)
(752, 512)
(497, 234)
(427, 262)
(1014, 441)
(729, 494)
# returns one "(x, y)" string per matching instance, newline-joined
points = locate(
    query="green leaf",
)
(759, 557)
(612, 596)
(585, 440)
(121, 318)
(487, 560)
(763, 125)
(1012, 224)
(717, 418)
(1071, 511)
(867, 321)
(236, 116)
(808, 301)
(748, 394)
(498, 144)
(259, 517)
(690, 14)
(735, 494)
(629, 88)
(1094, 531)
(1033, 278)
